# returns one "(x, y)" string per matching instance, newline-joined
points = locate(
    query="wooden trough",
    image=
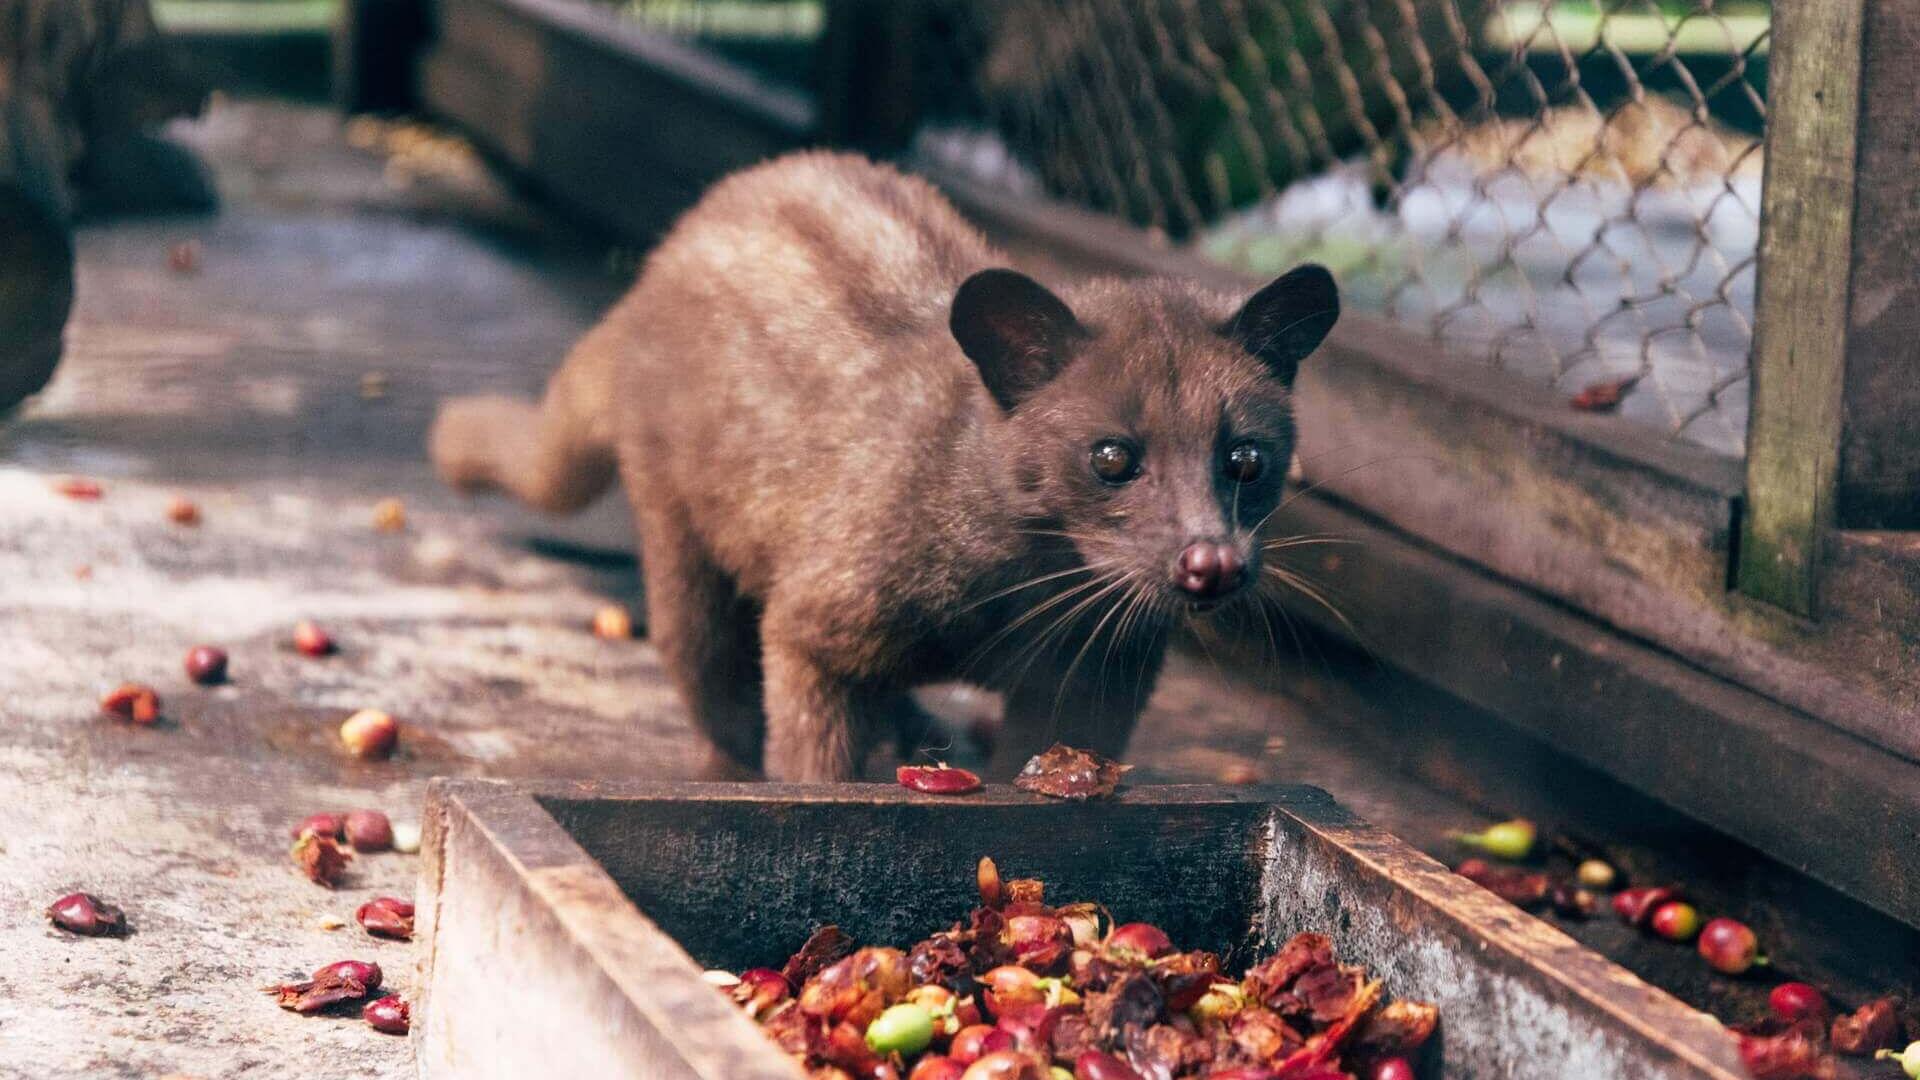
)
(564, 928)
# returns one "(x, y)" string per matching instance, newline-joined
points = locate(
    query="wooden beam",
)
(870, 84)
(376, 54)
(1800, 340)
(620, 123)
(1779, 780)
(1879, 486)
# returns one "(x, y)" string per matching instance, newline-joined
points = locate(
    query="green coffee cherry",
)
(1510, 840)
(1909, 1059)
(903, 1029)
(1221, 1001)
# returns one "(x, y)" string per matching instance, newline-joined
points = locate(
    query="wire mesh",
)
(775, 38)
(1568, 190)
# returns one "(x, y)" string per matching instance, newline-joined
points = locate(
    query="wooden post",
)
(376, 51)
(869, 86)
(1879, 486)
(1804, 292)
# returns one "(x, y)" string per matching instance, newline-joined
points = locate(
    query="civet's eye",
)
(1114, 461)
(1245, 463)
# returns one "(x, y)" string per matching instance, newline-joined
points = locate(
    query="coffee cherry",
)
(1510, 840)
(1097, 1065)
(369, 830)
(1144, 938)
(79, 488)
(1729, 947)
(207, 664)
(759, 989)
(364, 972)
(370, 733)
(87, 915)
(386, 916)
(389, 515)
(132, 701)
(1574, 902)
(975, 1041)
(1006, 1065)
(327, 825)
(903, 1029)
(1393, 1069)
(1676, 921)
(934, 1067)
(1597, 874)
(1908, 1059)
(612, 623)
(319, 858)
(1637, 904)
(1796, 1001)
(310, 640)
(389, 1015)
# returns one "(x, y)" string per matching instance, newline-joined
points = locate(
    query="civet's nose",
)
(1210, 570)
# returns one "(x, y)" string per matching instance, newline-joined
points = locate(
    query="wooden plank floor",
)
(239, 385)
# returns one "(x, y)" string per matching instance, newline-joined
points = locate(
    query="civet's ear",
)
(1287, 319)
(1016, 332)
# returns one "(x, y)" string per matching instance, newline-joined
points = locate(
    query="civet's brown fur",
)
(836, 503)
(81, 82)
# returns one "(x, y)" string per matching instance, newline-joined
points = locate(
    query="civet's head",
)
(1151, 423)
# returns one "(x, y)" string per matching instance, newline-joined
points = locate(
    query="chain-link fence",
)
(776, 38)
(1569, 190)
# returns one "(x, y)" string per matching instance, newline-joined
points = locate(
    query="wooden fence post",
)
(1879, 486)
(870, 83)
(1806, 263)
(376, 51)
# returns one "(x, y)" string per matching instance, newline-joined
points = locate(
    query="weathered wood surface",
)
(616, 122)
(737, 875)
(507, 902)
(1879, 486)
(238, 385)
(1800, 317)
(1783, 782)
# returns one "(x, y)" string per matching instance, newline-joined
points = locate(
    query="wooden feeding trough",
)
(565, 927)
